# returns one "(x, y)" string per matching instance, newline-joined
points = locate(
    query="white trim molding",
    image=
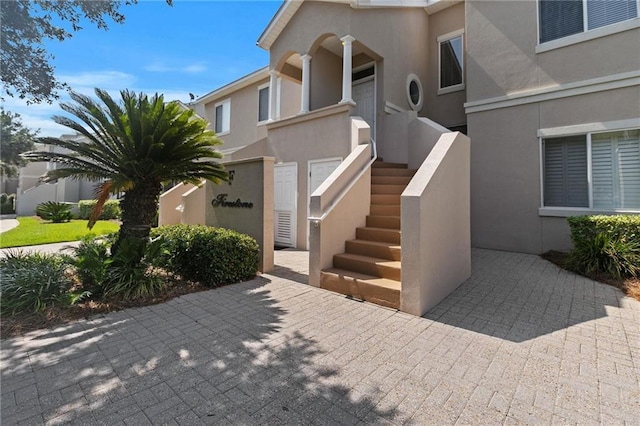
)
(577, 88)
(588, 35)
(581, 129)
(390, 108)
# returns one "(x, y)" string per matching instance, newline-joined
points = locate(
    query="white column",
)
(278, 96)
(306, 68)
(346, 68)
(273, 78)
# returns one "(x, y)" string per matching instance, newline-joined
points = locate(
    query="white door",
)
(319, 171)
(363, 93)
(284, 197)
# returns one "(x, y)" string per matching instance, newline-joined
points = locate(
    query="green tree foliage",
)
(133, 146)
(14, 140)
(26, 24)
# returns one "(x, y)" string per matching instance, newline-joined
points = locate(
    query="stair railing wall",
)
(341, 203)
(435, 224)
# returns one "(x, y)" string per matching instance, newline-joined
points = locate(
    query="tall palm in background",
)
(133, 146)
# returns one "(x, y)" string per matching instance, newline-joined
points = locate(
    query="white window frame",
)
(588, 130)
(443, 38)
(226, 118)
(260, 88)
(586, 33)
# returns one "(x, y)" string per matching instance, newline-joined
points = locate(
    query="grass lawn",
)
(33, 230)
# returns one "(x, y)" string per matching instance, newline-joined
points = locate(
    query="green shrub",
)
(30, 282)
(90, 261)
(127, 278)
(54, 211)
(7, 203)
(211, 256)
(606, 244)
(110, 210)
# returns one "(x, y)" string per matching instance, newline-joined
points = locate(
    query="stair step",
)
(376, 290)
(377, 249)
(385, 210)
(373, 266)
(390, 180)
(387, 189)
(378, 234)
(387, 165)
(392, 172)
(388, 222)
(393, 199)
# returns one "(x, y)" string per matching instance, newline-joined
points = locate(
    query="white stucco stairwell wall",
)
(436, 234)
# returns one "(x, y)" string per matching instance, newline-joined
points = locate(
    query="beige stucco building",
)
(364, 107)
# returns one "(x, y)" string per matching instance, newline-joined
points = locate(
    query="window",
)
(415, 95)
(561, 18)
(223, 117)
(610, 161)
(263, 104)
(451, 60)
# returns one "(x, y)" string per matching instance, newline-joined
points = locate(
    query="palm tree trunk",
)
(139, 208)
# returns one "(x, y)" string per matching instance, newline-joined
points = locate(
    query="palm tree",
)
(134, 146)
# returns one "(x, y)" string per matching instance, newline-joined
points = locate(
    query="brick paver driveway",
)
(520, 342)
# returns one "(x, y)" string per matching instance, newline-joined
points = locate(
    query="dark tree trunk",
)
(139, 208)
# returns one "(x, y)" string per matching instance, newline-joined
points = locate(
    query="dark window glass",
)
(219, 114)
(414, 92)
(263, 104)
(451, 62)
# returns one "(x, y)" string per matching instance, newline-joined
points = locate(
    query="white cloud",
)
(187, 69)
(102, 79)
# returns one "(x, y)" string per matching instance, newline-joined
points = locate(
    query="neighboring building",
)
(547, 91)
(32, 190)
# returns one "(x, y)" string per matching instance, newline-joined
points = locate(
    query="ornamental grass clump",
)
(31, 282)
(605, 245)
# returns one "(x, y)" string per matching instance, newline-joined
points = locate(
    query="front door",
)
(364, 95)
(284, 199)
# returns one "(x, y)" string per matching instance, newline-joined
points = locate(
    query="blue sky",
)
(194, 46)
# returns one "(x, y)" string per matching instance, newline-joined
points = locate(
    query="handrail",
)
(374, 156)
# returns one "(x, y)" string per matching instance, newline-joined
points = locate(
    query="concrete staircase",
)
(370, 268)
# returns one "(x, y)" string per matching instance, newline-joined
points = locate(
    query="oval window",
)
(415, 96)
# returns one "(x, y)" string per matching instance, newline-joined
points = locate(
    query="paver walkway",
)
(520, 342)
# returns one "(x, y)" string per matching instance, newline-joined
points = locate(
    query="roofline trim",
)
(238, 84)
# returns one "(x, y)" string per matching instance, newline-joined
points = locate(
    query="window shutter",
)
(560, 18)
(629, 169)
(606, 12)
(565, 172)
(616, 170)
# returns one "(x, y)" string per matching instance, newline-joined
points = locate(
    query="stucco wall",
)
(505, 167)
(402, 49)
(326, 79)
(447, 108)
(252, 183)
(319, 135)
(244, 127)
(509, 62)
(436, 246)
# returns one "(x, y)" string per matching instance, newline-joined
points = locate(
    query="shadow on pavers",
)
(219, 356)
(517, 297)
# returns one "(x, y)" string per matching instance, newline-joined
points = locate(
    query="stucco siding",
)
(502, 59)
(244, 128)
(448, 108)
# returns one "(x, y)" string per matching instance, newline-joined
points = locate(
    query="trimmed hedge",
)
(606, 244)
(110, 210)
(7, 203)
(211, 256)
